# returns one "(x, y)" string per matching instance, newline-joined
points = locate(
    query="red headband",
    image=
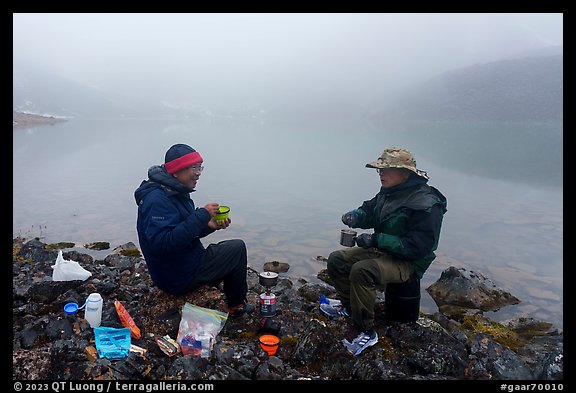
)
(183, 162)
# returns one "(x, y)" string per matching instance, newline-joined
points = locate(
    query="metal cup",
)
(348, 237)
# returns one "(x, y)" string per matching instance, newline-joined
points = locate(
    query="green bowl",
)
(223, 213)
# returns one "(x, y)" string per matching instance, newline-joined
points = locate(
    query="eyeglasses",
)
(196, 168)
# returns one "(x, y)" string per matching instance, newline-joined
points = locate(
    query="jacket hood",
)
(159, 178)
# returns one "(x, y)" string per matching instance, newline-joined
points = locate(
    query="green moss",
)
(249, 336)
(289, 340)
(536, 328)
(59, 246)
(98, 246)
(15, 251)
(499, 333)
(388, 349)
(131, 253)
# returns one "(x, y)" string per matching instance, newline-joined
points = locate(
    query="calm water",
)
(288, 186)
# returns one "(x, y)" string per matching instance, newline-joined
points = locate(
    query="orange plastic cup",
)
(269, 343)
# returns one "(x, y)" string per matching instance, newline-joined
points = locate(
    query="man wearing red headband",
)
(170, 228)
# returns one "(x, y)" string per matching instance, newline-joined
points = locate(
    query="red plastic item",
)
(127, 320)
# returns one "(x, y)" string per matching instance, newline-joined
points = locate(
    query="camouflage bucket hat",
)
(395, 157)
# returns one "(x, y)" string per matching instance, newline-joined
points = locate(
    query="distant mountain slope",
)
(36, 91)
(518, 89)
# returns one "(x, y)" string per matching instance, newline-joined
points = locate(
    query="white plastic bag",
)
(65, 270)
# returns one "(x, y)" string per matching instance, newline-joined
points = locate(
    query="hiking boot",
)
(239, 310)
(334, 311)
(362, 341)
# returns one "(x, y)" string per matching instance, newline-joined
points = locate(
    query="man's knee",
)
(234, 250)
(335, 260)
(238, 244)
(361, 275)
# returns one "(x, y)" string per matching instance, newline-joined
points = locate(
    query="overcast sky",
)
(186, 56)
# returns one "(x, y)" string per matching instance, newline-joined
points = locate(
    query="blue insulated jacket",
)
(169, 230)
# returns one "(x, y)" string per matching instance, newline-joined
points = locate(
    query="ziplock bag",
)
(198, 328)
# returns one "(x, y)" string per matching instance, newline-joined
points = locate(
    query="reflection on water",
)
(288, 187)
(529, 153)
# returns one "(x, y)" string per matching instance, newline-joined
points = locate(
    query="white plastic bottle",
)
(93, 310)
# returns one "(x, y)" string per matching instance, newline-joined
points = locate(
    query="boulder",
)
(462, 288)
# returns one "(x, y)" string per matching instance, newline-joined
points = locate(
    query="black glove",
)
(351, 218)
(366, 240)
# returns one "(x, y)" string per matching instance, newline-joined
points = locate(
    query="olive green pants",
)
(358, 272)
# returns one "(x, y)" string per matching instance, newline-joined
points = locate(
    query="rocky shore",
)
(27, 120)
(449, 345)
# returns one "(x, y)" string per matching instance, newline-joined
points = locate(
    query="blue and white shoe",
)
(334, 310)
(327, 300)
(362, 341)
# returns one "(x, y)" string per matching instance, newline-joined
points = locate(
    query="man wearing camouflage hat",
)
(406, 216)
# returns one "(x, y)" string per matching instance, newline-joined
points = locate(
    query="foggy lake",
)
(288, 185)
(286, 109)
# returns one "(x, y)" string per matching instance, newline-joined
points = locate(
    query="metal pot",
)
(348, 237)
(268, 279)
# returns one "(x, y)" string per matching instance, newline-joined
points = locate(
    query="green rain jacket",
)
(407, 220)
